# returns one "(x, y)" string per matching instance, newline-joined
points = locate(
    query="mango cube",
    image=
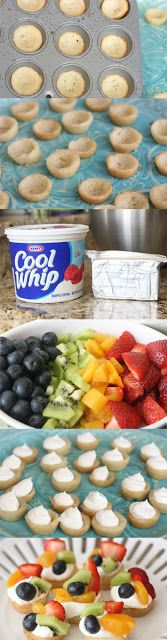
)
(117, 365)
(101, 374)
(88, 371)
(108, 343)
(94, 400)
(94, 348)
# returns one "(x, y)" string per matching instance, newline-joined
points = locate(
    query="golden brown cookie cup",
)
(30, 636)
(157, 474)
(110, 532)
(39, 529)
(86, 469)
(126, 451)
(27, 608)
(7, 484)
(61, 509)
(73, 533)
(90, 512)
(29, 459)
(138, 613)
(50, 468)
(29, 497)
(69, 487)
(87, 446)
(13, 516)
(103, 483)
(135, 495)
(61, 451)
(117, 465)
(157, 505)
(144, 457)
(143, 524)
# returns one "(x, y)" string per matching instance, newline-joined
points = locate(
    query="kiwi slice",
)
(120, 578)
(65, 389)
(65, 337)
(109, 564)
(50, 424)
(85, 334)
(60, 628)
(81, 576)
(78, 413)
(58, 370)
(67, 556)
(59, 409)
(93, 610)
(74, 377)
(43, 585)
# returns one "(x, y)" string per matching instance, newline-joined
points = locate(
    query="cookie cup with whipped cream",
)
(87, 441)
(26, 454)
(42, 521)
(123, 444)
(25, 589)
(8, 477)
(14, 463)
(102, 477)
(58, 444)
(135, 487)
(133, 589)
(12, 508)
(158, 499)
(149, 451)
(52, 461)
(24, 490)
(143, 515)
(73, 523)
(99, 620)
(87, 462)
(57, 566)
(109, 523)
(61, 501)
(157, 467)
(95, 501)
(115, 460)
(65, 479)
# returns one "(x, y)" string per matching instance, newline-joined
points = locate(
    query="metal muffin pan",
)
(93, 64)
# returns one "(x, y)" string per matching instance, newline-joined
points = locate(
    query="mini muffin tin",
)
(93, 64)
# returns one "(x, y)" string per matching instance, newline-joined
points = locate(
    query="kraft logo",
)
(35, 248)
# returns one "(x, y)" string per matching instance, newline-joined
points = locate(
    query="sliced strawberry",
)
(114, 352)
(29, 570)
(125, 342)
(110, 548)
(133, 388)
(141, 348)
(54, 544)
(151, 590)
(151, 378)
(152, 412)
(164, 371)
(56, 609)
(137, 363)
(157, 352)
(114, 607)
(163, 392)
(127, 417)
(94, 584)
(139, 575)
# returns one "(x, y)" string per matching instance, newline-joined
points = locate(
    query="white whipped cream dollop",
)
(100, 634)
(142, 510)
(95, 501)
(101, 473)
(48, 574)
(122, 442)
(133, 601)
(72, 519)
(23, 451)
(112, 456)
(43, 632)
(63, 499)
(15, 598)
(12, 462)
(23, 488)
(150, 450)
(157, 462)
(6, 474)
(73, 609)
(53, 442)
(134, 483)
(39, 515)
(63, 475)
(51, 458)
(161, 495)
(107, 518)
(87, 459)
(86, 438)
(9, 502)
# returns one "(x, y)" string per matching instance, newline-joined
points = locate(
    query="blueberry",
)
(23, 387)
(3, 363)
(76, 588)
(5, 382)
(44, 378)
(36, 421)
(49, 339)
(33, 363)
(92, 624)
(5, 346)
(53, 352)
(126, 590)
(59, 567)
(15, 371)
(43, 354)
(29, 622)
(38, 404)
(97, 560)
(16, 357)
(33, 342)
(21, 411)
(37, 391)
(20, 345)
(7, 401)
(26, 591)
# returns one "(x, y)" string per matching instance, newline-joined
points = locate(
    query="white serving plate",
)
(150, 554)
(141, 333)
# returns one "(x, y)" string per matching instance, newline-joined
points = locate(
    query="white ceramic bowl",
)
(114, 327)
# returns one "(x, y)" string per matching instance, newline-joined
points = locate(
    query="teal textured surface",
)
(64, 194)
(44, 488)
(154, 49)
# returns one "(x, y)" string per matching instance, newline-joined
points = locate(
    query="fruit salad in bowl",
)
(112, 376)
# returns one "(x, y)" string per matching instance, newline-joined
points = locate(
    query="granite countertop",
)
(85, 307)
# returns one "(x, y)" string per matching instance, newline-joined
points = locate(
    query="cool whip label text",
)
(35, 271)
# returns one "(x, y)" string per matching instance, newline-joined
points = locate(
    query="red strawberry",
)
(114, 607)
(94, 584)
(163, 392)
(164, 371)
(110, 548)
(76, 277)
(114, 352)
(152, 412)
(151, 379)
(139, 575)
(124, 343)
(127, 417)
(54, 544)
(56, 609)
(133, 388)
(70, 271)
(137, 363)
(114, 393)
(157, 352)
(29, 570)
(141, 348)
(151, 590)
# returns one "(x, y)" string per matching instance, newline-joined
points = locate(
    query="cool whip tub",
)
(48, 261)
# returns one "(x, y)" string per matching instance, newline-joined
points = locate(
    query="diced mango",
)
(108, 343)
(62, 595)
(89, 370)
(100, 337)
(94, 348)
(94, 400)
(105, 414)
(14, 578)
(38, 607)
(46, 559)
(141, 591)
(101, 374)
(87, 597)
(117, 365)
(96, 424)
(114, 377)
(100, 386)
(118, 625)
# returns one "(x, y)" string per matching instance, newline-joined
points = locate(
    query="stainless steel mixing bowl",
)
(130, 230)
